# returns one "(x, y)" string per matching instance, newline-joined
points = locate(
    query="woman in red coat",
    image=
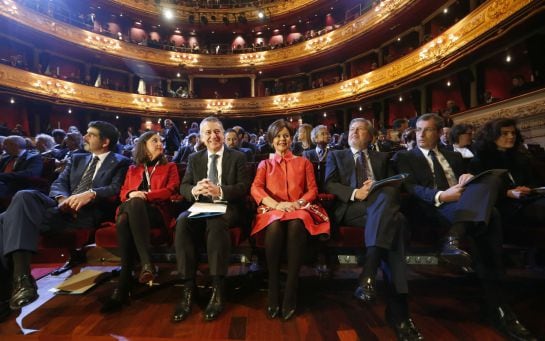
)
(283, 186)
(148, 187)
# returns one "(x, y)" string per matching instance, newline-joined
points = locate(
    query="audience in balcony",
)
(488, 98)
(283, 186)
(499, 145)
(145, 195)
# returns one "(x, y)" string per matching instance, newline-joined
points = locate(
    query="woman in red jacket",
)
(148, 187)
(283, 186)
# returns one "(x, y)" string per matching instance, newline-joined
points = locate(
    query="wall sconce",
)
(252, 58)
(54, 87)
(385, 7)
(183, 58)
(439, 47)
(285, 101)
(9, 7)
(147, 102)
(219, 106)
(354, 86)
(102, 43)
(318, 43)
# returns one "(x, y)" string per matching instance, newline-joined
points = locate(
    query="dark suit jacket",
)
(235, 180)
(106, 183)
(182, 155)
(340, 178)
(172, 139)
(28, 165)
(420, 181)
(248, 152)
(312, 155)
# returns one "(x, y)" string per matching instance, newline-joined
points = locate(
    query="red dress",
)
(287, 178)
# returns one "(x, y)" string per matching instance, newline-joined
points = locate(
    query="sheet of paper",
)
(80, 282)
(203, 207)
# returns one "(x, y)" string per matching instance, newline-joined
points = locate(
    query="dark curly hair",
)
(486, 136)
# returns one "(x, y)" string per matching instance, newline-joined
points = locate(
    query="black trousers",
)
(211, 232)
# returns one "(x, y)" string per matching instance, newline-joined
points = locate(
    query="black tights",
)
(294, 235)
(133, 234)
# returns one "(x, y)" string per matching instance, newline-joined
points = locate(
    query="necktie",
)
(213, 173)
(320, 154)
(10, 165)
(440, 178)
(361, 169)
(87, 179)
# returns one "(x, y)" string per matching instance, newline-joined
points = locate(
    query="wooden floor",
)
(444, 306)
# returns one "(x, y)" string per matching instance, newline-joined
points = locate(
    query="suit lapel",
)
(373, 158)
(348, 162)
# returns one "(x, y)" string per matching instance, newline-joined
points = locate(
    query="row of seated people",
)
(284, 187)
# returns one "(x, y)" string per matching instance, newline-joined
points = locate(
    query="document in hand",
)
(498, 172)
(204, 210)
(395, 181)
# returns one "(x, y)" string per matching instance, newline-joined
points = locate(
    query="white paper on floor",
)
(47, 290)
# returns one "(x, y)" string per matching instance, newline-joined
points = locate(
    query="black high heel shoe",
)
(147, 274)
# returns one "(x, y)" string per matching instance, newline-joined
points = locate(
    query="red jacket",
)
(165, 183)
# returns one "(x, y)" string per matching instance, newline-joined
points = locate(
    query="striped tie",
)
(87, 179)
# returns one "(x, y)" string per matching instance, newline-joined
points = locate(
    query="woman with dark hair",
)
(498, 144)
(149, 185)
(461, 137)
(283, 187)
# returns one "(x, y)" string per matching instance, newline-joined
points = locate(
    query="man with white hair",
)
(17, 165)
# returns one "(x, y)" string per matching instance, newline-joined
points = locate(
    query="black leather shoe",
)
(452, 254)
(5, 310)
(366, 290)
(182, 309)
(506, 322)
(215, 306)
(405, 330)
(147, 274)
(287, 313)
(25, 292)
(115, 302)
(273, 312)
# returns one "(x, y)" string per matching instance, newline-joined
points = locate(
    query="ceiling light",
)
(260, 14)
(69, 111)
(448, 83)
(400, 98)
(445, 11)
(508, 58)
(168, 14)
(12, 100)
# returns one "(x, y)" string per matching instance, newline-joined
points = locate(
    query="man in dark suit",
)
(17, 165)
(445, 197)
(193, 145)
(172, 137)
(231, 141)
(350, 174)
(79, 198)
(215, 173)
